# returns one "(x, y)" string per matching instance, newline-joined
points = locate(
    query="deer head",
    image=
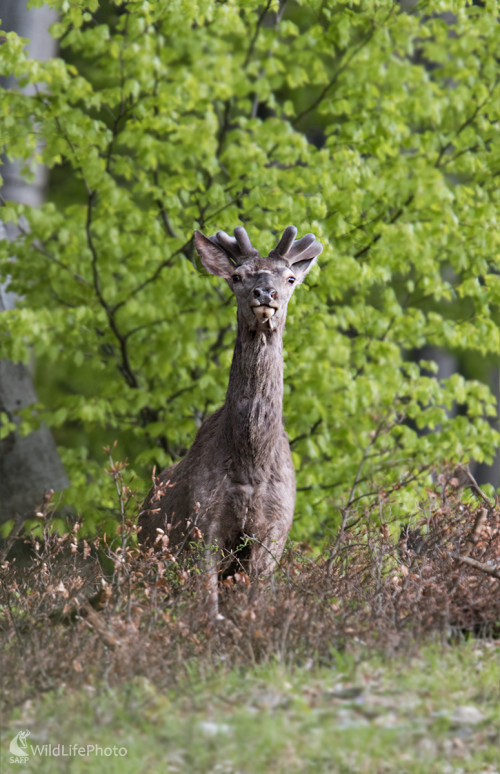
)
(262, 285)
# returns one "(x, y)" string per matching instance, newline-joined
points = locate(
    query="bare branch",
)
(471, 481)
(486, 568)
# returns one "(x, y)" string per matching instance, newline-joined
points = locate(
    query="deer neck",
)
(254, 400)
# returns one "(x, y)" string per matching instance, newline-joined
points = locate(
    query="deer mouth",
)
(263, 312)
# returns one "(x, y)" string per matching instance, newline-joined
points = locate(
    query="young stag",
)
(236, 485)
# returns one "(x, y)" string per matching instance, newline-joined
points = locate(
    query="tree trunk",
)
(30, 465)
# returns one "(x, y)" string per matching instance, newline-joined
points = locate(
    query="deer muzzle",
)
(264, 303)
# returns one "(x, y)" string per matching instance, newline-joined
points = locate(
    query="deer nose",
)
(265, 295)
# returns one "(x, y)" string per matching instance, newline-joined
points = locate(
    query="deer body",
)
(236, 484)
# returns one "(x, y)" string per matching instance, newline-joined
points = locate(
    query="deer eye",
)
(291, 280)
(236, 278)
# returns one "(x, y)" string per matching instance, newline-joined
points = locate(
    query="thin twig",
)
(125, 366)
(390, 222)
(345, 63)
(251, 47)
(311, 432)
(40, 247)
(467, 122)
(476, 488)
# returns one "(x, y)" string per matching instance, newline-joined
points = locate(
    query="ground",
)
(436, 711)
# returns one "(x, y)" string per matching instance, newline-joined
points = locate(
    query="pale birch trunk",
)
(30, 465)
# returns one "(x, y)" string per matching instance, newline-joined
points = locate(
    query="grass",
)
(423, 714)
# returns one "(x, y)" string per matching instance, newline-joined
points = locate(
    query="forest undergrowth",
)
(101, 611)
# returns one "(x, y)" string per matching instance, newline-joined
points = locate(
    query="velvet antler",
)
(295, 251)
(237, 248)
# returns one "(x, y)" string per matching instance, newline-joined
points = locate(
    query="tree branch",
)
(154, 276)
(251, 47)
(302, 436)
(125, 366)
(468, 121)
(391, 220)
(493, 571)
(41, 248)
(333, 80)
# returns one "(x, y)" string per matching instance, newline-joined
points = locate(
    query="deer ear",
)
(301, 254)
(213, 258)
(301, 268)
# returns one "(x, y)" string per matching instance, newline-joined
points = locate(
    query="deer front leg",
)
(210, 584)
(265, 554)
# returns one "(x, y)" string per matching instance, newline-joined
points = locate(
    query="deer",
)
(235, 487)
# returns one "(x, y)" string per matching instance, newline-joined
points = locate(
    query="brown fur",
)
(236, 484)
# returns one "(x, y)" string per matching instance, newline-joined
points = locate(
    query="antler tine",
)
(285, 242)
(293, 251)
(238, 247)
(228, 243)
(244, 241)
(305, 248)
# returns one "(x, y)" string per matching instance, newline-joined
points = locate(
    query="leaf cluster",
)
(373, 127)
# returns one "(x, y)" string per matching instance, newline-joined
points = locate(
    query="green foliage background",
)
(373, 127)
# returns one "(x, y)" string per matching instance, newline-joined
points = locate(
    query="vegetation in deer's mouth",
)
(264, 312)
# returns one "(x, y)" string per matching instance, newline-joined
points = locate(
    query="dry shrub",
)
(63, 620)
